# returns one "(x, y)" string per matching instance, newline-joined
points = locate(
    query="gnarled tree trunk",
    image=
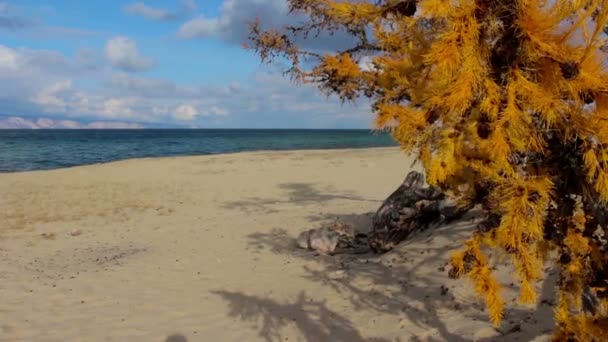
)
(410, 208)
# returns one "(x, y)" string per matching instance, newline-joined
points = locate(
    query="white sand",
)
(201, 249)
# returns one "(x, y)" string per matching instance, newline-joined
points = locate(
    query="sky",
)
(152, 63)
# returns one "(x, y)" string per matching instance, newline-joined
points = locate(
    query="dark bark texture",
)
(409, 209)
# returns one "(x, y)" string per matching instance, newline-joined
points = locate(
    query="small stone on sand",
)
(337, 275)
(49, 236)
(76, 232)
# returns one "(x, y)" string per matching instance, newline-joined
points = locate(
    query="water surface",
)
(22, 150)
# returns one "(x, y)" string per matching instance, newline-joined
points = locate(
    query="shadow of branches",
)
(176, 338)
(311, 317)
(412, 282)
(296, 193)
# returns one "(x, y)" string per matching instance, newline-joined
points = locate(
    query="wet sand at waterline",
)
(202, 249)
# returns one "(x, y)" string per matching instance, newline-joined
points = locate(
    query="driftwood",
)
(408, 209)
(338, 238)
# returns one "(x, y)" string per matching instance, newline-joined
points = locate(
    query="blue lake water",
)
(22, 150)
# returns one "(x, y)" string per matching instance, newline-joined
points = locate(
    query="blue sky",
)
(169, 63)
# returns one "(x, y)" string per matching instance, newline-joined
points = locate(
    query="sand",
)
(201, 249)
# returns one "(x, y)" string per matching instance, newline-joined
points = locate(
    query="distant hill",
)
(15, 122)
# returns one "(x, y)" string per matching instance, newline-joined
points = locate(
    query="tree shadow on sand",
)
(311, 317)
(296, 193)
(176, 338)
(410, 282)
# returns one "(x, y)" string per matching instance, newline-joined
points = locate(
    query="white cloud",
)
(149, 12)
(8, 59)
(62, 98)
(185, 112)
(232, 24)
(234, 19)
(216, 111)
(71, 124)
(190, 112)
(200, 27)
(53, 96)
(27, 62)
(47, 83)
(121, 107)
(25, 72)
(159, 110)
(139, 86)
(122, 52)
(45, 123)
(161, 14)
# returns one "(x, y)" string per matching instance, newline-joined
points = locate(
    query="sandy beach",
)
(202, 249)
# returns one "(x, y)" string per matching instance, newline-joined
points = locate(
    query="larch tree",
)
(505, 104)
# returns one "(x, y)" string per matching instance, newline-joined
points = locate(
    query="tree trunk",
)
(408, 209)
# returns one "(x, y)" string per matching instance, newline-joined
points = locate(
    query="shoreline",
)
(317, 150)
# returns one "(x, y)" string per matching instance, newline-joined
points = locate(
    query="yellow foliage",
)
(509, 96)
(473, 262)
